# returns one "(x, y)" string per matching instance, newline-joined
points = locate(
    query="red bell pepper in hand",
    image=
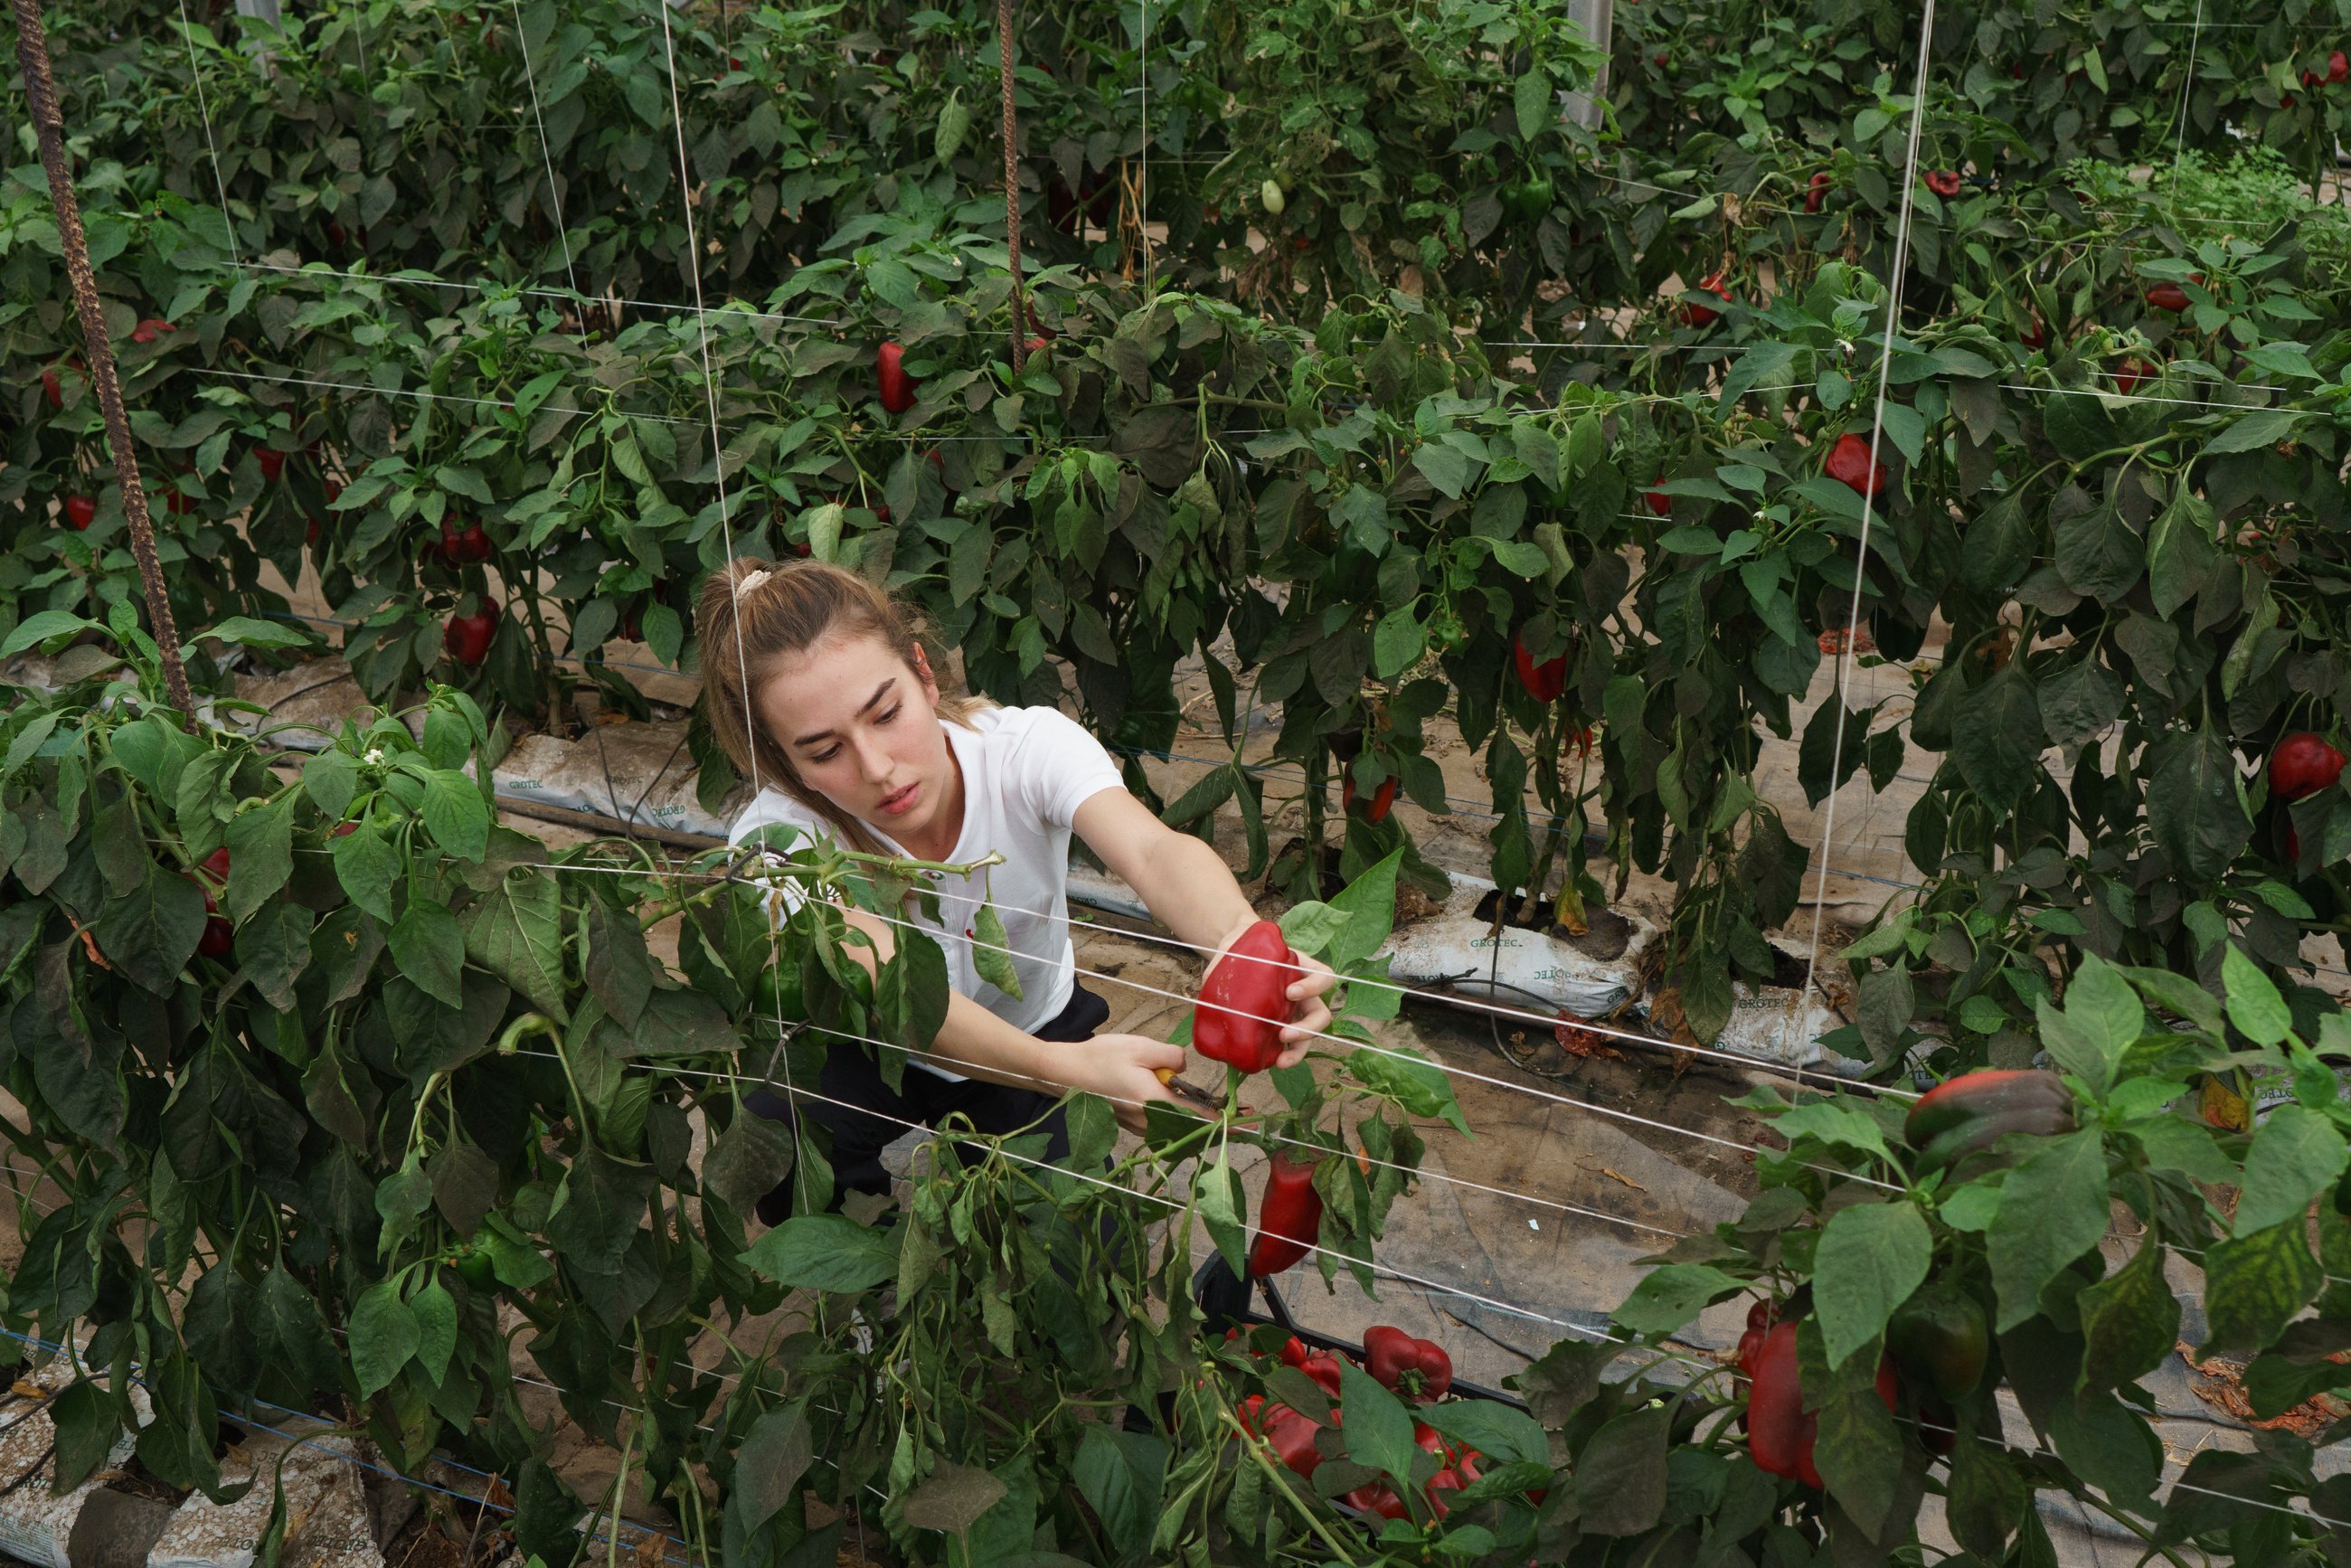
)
(1245, 1001)
(1416, 1368)
(1543, 681)
(1289, 1217)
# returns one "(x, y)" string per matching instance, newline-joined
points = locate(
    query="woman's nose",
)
(872, 761)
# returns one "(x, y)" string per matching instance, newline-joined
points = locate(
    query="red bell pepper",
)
(1944, 182)
(2132, 373)
(2168, 297)
(219, 935)
(1849, 464)
(1290, 1434)
(1816, 191)
(1244, 1001)
(1375, 1496)
(1289, 1217)
(1780, 1431)
(1968, 1114)
(2302, 765)
(1545, 681)
(1696, 315)
(897, 388)
(1416, 1368)
(1383, 799)
(467, 638)
(1318, 1364)
(272, 460)
(80, 512)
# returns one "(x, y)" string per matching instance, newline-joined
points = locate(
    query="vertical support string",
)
(547, 154)
(196, 75)
(1899, 267)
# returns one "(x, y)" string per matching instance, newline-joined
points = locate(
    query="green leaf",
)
(2296, 1155)
(261, 857)
(1531, 102)
(776, 1453)
(515, 931)
(2130, 1321)
(1398, 640)
(1858, 1450)
(1503, 1431)
(2253, 1003)
(1123, 1476)
(2254, 1284)
(367, 865)
(2193, 809)
(2053, 1208)
(2265, 427)
(827, 1252)
(430, 949)
(1871, 1257)
(2181, 554)
(87, 1426)
(44, 627)
(455, 814)
(1672, 1295)
(1224, 1210)
(1620, 1477)
(2101, 1020)
(246, 632)
(149, 933)
(383, 1336)
(1998, 737)
(436, 1312)
(1379, 1427)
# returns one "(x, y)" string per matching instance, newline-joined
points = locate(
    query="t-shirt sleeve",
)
(1059, 766)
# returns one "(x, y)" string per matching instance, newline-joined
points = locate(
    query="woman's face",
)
(864, 731)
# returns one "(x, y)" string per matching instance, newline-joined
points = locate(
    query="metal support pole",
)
(1596, 19)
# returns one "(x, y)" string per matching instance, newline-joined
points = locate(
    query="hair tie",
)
(752, 581)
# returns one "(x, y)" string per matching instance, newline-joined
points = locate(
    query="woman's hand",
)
(1123, 1068)
(1309, 1015)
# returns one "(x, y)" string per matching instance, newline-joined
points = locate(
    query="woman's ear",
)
(922, 670)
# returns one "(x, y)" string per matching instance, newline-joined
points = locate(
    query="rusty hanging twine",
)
(48, 126)
(1012, 186)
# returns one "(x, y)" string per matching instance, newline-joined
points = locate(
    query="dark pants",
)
(863, 1115)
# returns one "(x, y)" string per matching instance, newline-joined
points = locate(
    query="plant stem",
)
(1281, 1484)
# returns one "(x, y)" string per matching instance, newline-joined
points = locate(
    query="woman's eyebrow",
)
(871, 703)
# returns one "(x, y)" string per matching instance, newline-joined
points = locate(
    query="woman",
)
(815, 686)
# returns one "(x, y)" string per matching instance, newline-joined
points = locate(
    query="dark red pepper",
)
(1289, 1217)
(1849, 464)
(1659, 502)
(1290, 1434)
(1967, 1114)
(897, 388)
(1780, 1431)
(467, 638)
(2302, 765)
(1696, 315)
(272, 460)
(1816, 191)
(1545, 681)
(1419, 1369)
(2132, 373)
(1383, 799)
(1944, 182)
(219, 935)
(1244, 1001)
(80, 512)
(1375, 1496)
(147, 332)
(2168, 297)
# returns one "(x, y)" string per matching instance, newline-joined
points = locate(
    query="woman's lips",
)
(902, 801)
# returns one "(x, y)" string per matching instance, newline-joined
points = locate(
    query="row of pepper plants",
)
(2141, 446)
(345, 1097)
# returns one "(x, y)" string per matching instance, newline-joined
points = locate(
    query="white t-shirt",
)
(1026, 770)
